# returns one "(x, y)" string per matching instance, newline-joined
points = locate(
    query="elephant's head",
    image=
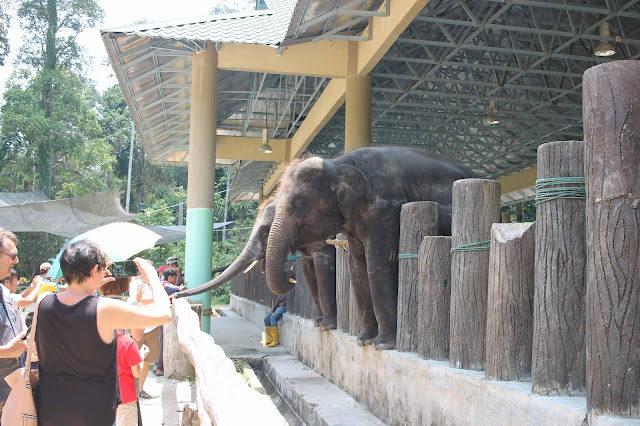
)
(316, 197)
(253, 251)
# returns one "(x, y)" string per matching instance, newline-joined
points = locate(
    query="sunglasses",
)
(12, 256)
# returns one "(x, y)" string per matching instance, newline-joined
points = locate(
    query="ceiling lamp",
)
(265, 148)
(492, 118)
(605, 48)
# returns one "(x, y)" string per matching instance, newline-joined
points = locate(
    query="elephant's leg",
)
(309, 271)
(360, 285)
(325, 265)
(382, 268)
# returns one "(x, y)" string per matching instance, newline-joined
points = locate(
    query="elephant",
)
(360, 194)
(318, 266)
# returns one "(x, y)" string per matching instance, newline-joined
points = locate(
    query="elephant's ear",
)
(352, 189)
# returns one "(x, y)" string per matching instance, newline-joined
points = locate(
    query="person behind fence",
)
(271, 320)
(76, 339)
(169, 279)
(12, 343)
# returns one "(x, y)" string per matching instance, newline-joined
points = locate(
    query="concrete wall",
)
(404, 389)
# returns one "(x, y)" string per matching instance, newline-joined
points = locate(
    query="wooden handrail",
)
(224, 393)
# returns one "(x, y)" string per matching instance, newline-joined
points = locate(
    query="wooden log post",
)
(559, 355)
(343, 285)
(176, 363)
(417, 220)
(475, 207)
(223, 393)
(611, 108)
(510, 301)
(434, 295)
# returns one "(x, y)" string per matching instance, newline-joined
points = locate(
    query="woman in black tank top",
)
(76, 340)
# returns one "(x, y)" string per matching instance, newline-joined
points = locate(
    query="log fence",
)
(555, 302)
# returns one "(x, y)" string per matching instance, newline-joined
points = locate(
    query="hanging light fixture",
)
(265, 148)
(492, 118)
(605, 48)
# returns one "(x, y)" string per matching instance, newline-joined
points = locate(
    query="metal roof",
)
(254, 27)
(433, 89)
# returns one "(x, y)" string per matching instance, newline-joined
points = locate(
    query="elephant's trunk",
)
(278, 244)
(248, 255)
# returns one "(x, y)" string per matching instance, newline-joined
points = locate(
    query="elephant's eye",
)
(299, 204)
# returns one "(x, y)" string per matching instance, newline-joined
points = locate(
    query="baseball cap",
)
(171, 260)
(162, 268)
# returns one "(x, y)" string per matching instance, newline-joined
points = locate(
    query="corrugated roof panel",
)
(267, 27)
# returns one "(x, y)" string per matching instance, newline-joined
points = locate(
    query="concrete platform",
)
(240, 338)
(314, 398)
(403, 389)
(304, 396)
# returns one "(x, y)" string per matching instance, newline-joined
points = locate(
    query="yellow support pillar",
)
(201, 173)
(357, 120)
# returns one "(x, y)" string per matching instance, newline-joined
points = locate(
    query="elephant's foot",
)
(329, 323)
(366, 337)
(384, 341)
(317, 322)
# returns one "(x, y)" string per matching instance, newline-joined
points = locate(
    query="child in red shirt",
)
(129, 360)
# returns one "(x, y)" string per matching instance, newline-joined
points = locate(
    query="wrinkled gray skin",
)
(360, 194)
(318, 265)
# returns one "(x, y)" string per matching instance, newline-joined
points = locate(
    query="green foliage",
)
(35, 248)
(5, 20)
(58, 134)
(60, 150)
(69, 18)
(529, 211)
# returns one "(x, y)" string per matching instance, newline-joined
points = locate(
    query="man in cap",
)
(172, 262)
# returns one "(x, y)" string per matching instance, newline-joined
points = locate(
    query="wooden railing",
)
(222, 392)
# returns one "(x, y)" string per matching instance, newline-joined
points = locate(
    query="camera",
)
(126, 268)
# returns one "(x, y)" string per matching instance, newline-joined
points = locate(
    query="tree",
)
(60, 147)
(51, 28)
(4, 30)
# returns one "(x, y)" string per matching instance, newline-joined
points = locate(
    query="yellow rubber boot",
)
(269, 335)
(275, 335)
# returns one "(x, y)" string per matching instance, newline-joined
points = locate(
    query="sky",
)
(117, 13)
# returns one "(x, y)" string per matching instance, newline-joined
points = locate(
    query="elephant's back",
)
(407, 174)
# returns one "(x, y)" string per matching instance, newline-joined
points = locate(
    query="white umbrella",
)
(118, 240)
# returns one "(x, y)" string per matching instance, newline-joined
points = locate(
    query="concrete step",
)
(312, 397)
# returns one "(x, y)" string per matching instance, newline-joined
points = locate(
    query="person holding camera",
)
(76, 339)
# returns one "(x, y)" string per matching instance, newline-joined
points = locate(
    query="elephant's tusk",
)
(340, 243)
(250, 267)
(292, 281)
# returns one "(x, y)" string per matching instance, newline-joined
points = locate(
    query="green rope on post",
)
(479, 246)
(407, 256)
(546, 193)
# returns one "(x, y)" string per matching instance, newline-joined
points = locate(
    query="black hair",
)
(169, 272)
(79, 258)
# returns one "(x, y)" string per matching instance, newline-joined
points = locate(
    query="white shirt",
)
(13, 298)
(146, 294)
